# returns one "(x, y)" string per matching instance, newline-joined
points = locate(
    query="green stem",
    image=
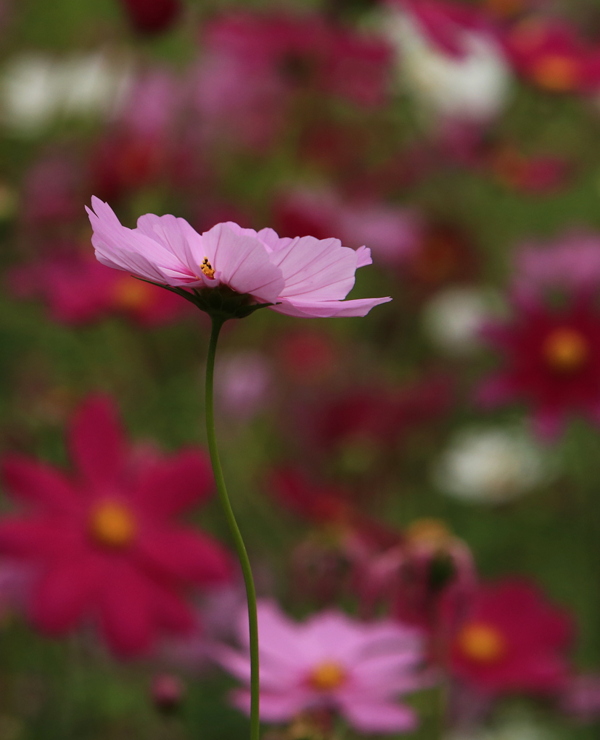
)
(217, 323)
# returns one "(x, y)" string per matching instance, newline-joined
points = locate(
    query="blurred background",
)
(434, 463)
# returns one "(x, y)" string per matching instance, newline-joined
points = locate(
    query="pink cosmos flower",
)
(513, 639)
(330, 662)
(103, 541)
(303, 276)
(551, 361)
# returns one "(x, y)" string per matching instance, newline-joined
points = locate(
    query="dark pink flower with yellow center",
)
(334, 663)
(552, 54)
(551, 362)
(104, 542)
(513, 639)
(78, 290)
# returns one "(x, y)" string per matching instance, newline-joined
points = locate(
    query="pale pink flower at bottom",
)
(333, 662)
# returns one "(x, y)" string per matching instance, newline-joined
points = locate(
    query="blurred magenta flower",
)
(513, 640)
(304, 277)
(255, 64)
(551, 358)
(77, 290)
(152, 16)
(104, 541)
(549, 52)
(331, 662)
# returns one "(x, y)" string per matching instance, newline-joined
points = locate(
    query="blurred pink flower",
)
(551, 361)
(304, 277)
(332, 662)
(391, 231)
(553, 55)
(255, 64)
(581, 697)
(103, 541)
(77, 290)
(570, 262)
(513, 640)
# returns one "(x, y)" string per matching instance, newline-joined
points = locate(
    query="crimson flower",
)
(103, 542)
(551, 361)
(513, 639)
(152, 17)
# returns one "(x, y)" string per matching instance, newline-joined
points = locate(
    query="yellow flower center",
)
(565, 350)
(556, 73)
(482, 643)
(430, 533)
(327, 676)
(112, 524)
(207, 268)
(130, 293)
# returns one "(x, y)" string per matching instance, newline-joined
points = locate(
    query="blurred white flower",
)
(512, 729)
(36, 89)
(491, 465)
(474, 88)
(453, 318)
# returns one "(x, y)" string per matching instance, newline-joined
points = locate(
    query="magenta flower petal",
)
(31, 539)
(184, 555)
(167, 487)
(38, 483)
(64, 594)
(97, 442)
(126, 611)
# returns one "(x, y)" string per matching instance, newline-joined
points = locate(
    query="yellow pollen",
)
(130, 293)
(327, 676)
(556, 73)
(482, 643)
(207, 268)
(112, 524)
(565, 350)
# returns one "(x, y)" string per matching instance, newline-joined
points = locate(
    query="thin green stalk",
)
(217, 323)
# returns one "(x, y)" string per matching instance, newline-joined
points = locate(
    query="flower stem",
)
(217, 323)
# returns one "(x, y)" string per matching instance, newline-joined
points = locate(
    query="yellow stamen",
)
(112, 524)
(482, 643)
(565, 350)
(207, 268)
(327, 676)
(556, 73)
